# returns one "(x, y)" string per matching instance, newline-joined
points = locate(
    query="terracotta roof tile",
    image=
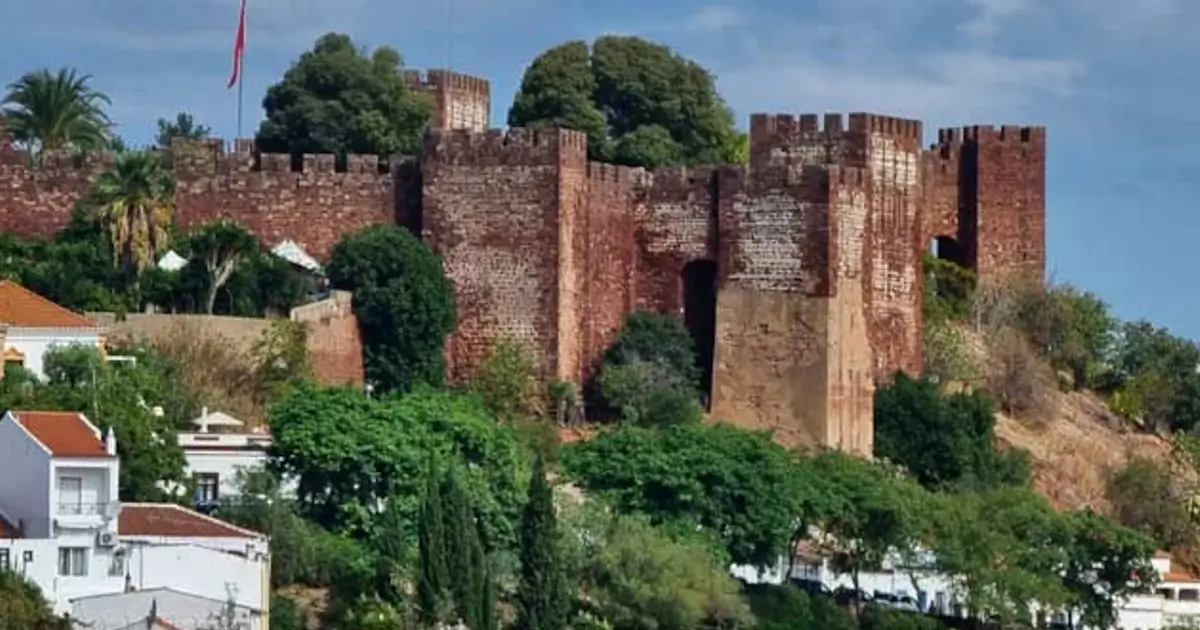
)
(167, 519)
(21, 307)
(8, 530)
(64, 433)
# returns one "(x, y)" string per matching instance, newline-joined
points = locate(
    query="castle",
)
(798, 274)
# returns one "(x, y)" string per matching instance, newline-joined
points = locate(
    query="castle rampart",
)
(799, 274)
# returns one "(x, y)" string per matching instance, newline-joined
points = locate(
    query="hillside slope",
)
(1075, 451)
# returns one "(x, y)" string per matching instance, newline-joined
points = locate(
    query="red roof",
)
(21, 307)
(8, 530)
(168, 519)
(63, 433)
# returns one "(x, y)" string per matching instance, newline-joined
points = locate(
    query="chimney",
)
(110, 442)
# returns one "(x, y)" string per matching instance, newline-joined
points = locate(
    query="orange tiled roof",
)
(570, 435)
(21, 307)
(168, 519)
(8, 530)
(64, 433)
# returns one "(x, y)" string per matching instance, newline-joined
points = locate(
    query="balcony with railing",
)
(81, 514)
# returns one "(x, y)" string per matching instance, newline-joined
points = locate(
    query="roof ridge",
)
(80, 321)
(200, 515)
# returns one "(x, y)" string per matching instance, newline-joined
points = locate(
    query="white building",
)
(62, 527)
(218, 451)
(31, 325)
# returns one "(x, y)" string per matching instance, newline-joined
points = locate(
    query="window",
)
(70, 495)
(72, 561)
(5, 560)
(206, 488)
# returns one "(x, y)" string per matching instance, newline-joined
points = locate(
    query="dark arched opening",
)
(700, 316)
(946, 248)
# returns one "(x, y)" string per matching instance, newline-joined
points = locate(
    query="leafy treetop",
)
(640, 103)
(337, 99)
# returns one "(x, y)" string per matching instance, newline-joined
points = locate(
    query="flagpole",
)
(241, 68)
(241, 79)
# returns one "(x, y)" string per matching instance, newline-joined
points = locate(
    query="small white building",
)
(63, 527)
(31, 325)
(218, 451)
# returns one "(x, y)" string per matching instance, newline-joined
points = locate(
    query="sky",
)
(1111, 79)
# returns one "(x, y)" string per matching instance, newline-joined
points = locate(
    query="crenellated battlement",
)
(990, 133)
(515, 145)
(788, 124)
(240, 156)
(448, 79)
(681, 176)
(611, 173)
(862, 122)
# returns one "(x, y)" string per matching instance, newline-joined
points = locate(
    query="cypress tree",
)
(433, 583)
(542, 596)
(466, 553)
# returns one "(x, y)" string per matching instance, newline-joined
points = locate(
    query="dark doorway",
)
(700, 316)
(946, 248)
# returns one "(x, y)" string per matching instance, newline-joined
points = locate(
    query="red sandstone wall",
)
(940, 180)
(491, 208)
(611, 258)
(676, 225)
(1010, 199)
(314, 206)
(334, 346)
(39, 200)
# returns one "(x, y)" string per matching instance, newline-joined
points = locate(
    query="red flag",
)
(239, 48)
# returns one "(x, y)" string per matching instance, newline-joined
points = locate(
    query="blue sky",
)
(1112, 80)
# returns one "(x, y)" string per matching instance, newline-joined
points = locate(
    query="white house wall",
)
(226, 465)
(34, 343)
(25, 491)
(201, 571)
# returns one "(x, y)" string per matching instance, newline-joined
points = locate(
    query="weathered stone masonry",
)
(813, 249)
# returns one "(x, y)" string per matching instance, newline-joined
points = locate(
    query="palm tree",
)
(47, 111)
(133, 200)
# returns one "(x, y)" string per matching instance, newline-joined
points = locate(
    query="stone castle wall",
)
(814, 247)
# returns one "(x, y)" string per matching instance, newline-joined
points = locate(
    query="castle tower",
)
(463, 101)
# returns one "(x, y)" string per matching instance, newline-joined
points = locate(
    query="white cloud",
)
(716, 18)
(991, 16)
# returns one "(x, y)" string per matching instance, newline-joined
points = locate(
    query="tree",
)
(219, 247)
(640, 103)
(634, 575)
(507, 383)
(1073, 329)
(1147, 497)
(737, 485)
(1106, 563)
(434, 594)
(943, 440)
(467, 562)
(47, 111)
(350, 454)
(542, 596)
(404, 303)
(336, 99)
(133, 200)
(24, 607)
(184, 126)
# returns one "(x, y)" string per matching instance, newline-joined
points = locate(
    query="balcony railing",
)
(77, 508)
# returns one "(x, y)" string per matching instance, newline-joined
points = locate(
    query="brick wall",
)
(38, 200)
(676, 211)
(334, 346)
(313, 202)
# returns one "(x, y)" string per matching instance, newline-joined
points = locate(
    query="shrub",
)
(1018, 380)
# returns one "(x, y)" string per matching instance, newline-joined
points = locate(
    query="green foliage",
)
(738, 485)
(1154, 377)
(1098, 588)
(945, 353)
(507, 383)
(338, 99)
(880, 618)
(434, 596)
(218, 248)
(133, 200)
(348, 452)
(542, 596)
(949, 290)
(24, 607)
(45, 111)
(404, 303)
(1146, 497)
(116, 396)
(184, 126)
(640, 103)
(789, 608)
(285, 613)
(468, 566)
(1072, 329)
(945, 441)
(633, 575)
(649, 374)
